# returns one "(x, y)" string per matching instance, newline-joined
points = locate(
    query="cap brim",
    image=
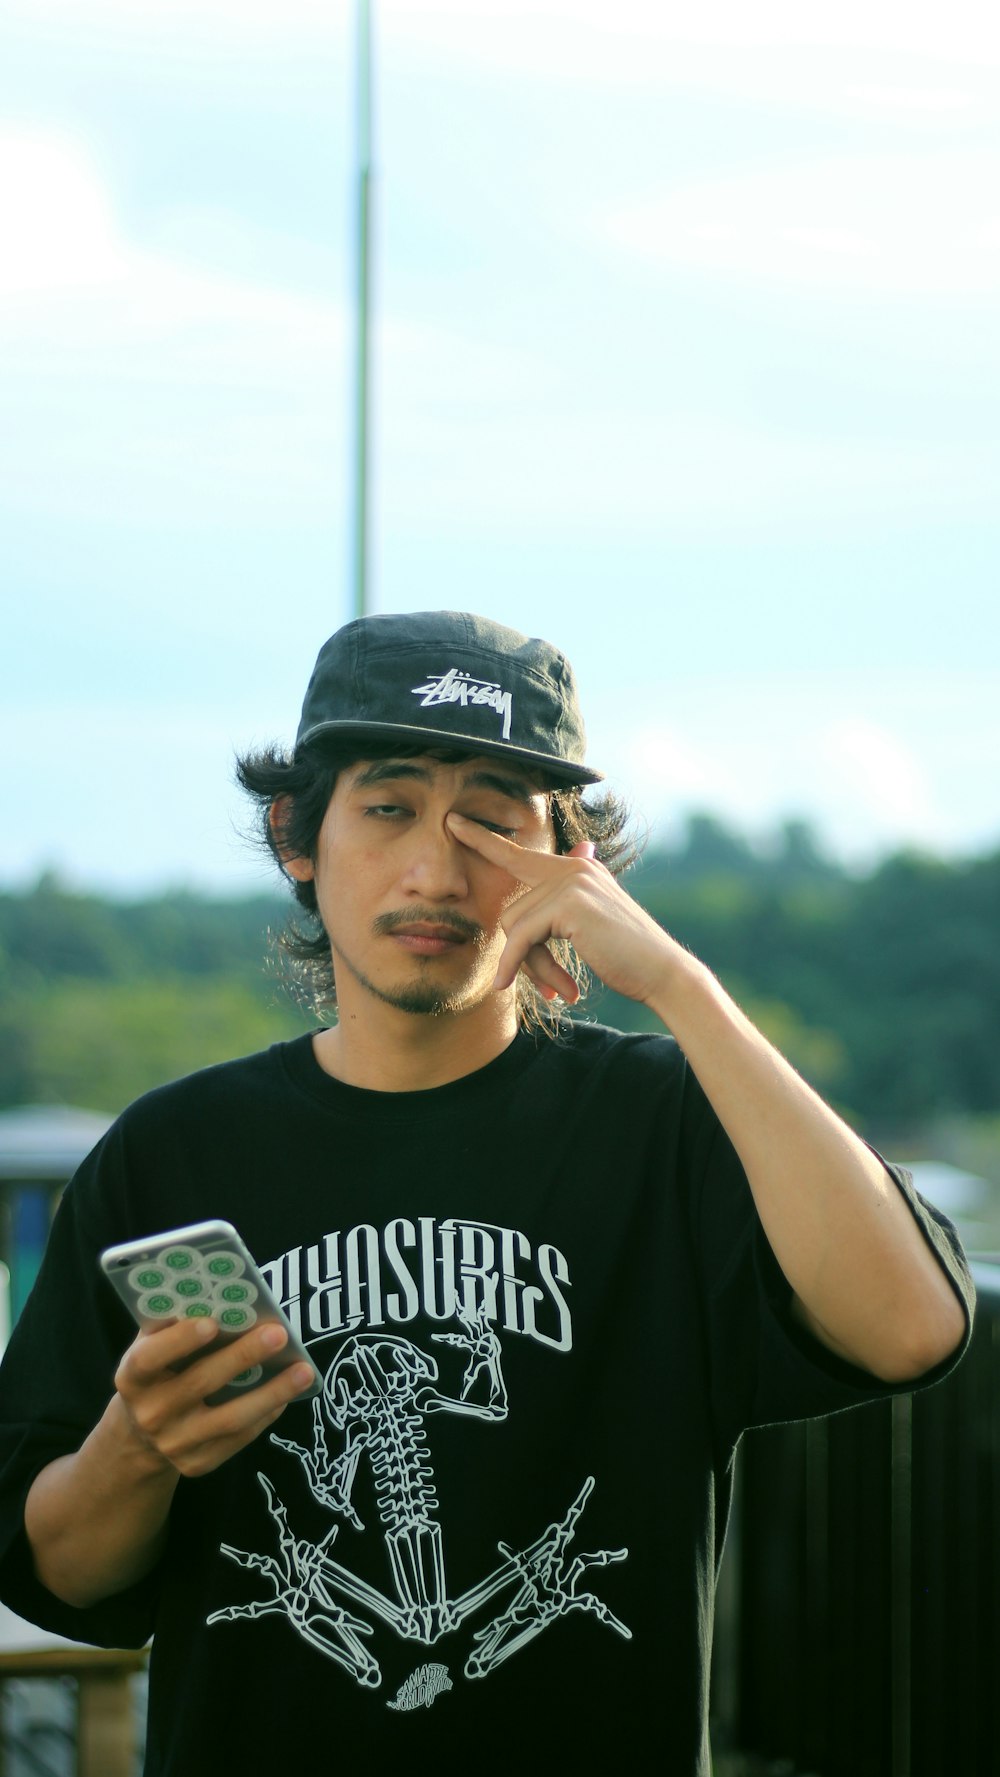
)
(561, 769)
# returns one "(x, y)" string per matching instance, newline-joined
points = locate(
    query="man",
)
(547, 1273)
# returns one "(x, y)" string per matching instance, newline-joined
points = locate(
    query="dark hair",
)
(303, 784)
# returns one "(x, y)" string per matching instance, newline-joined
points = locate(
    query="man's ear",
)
(302, 869)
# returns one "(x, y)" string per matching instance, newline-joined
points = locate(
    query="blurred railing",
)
(859, 1606)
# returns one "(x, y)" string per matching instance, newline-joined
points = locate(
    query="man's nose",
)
(437, 865)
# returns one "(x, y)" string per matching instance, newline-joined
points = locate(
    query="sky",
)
(685, 355)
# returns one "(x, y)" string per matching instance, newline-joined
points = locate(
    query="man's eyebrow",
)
(515, 788)
(380, 771)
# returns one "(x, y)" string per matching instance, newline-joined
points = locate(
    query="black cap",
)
(448, 679)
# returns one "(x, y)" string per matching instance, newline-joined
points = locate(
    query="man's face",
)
(413, 916)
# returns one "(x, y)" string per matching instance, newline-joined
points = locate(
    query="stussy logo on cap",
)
(458, 687)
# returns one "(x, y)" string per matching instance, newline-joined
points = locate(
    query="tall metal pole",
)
(363, 125)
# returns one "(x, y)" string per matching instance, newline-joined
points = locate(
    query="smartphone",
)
(204, 1269)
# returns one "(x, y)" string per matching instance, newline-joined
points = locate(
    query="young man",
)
(547, 1273)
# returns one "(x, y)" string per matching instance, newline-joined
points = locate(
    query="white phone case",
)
(204, 1269)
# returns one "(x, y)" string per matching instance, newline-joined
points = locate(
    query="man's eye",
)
(386, 810)
(494, 827)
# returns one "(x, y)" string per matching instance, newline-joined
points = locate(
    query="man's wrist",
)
(124, 1443)
(680, 986)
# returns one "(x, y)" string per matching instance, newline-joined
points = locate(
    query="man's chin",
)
(421, 1002)
(423, 999)
(421, 996)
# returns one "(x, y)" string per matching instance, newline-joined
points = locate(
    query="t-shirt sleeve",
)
(55, 1382)
(765, 1366)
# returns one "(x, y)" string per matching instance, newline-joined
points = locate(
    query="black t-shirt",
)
(544, 1310)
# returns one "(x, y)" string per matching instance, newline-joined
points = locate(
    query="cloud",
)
(875, 760)
(869, 223)
(130, 367)
(64, 243)
(150, 758)
(653, 757)
(55, 217)
(246, 24)
(602, 469)
(932, 101)
(874, 769)
(556, 41)
(570, 40)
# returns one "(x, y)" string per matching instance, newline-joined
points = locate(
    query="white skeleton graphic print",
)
(377, 1396)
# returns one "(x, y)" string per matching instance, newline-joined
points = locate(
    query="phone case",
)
(200, 1270)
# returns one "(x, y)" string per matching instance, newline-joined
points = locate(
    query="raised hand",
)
(572, 896)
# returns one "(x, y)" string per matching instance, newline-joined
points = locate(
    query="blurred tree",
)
(99, 1044)
(884, 989)
(900, 970)
(800, 856)
(711, 848)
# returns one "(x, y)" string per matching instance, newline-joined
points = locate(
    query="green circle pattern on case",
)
(247, 1378)
(190, 1286)
(238, 1291)
(147, 1277)
(236, 1318)
(204, 1284)
(157, 1304)
(179, 1258)
(224, 1265)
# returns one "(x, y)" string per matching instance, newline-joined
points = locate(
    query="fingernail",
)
(272, 1337)
(207, 1329)
(303, 1376)
(587, 849)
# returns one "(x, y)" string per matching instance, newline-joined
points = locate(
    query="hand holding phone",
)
(197, 1386)
(203, 1272)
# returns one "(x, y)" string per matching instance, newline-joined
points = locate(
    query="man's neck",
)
(387, 1050)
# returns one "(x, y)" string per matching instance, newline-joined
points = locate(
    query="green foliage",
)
(972, 1144)
(103, 1000)
(883, 989)
(99, 1044)
(53, 932)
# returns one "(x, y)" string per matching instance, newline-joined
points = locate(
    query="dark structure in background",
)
(859, 1631)
(63, 1708)
(41, 1147)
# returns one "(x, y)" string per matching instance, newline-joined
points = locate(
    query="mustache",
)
(423, 916)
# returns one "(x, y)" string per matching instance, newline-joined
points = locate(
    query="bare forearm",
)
(96, 1520)
(864, 1278)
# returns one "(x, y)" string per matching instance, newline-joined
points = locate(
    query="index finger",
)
(157, 1348)
(528, 866)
